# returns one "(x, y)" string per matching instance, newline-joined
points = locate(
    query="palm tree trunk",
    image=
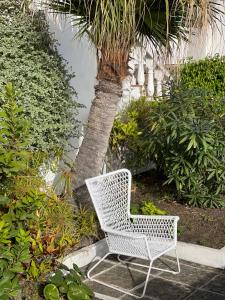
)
(90, 158)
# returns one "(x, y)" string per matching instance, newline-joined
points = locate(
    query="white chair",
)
(145, 237)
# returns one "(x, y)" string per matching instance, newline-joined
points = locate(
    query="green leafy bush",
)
(184, 135)
(14, 162)
(29, 59)
(130, 133)
(207, 74)
(147, 208)
(14, 138)
(67, 283)
(189, 144)
(36, 226)
(86, 223)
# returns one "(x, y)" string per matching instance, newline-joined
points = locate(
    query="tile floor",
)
(195, 282)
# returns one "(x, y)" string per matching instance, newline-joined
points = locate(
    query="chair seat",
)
(157, 248)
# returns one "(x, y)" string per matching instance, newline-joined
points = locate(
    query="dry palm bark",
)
(103, 110)
(92, 152)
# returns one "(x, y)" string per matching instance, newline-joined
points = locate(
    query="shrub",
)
(29, 59)
(86, 223)
(147, 208)
(14, 139)
(207, 74)
(36, 226)
(184, 135)
(130, 133)
(189, 144)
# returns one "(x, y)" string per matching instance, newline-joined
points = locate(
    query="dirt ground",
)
(197, 225)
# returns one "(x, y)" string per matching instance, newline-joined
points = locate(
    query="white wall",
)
(210, 42)
(81, 58)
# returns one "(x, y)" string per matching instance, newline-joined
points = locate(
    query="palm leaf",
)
(115, 26)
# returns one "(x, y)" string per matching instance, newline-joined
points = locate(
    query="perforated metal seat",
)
(146, 237)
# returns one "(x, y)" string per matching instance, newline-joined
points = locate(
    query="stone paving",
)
(195, 282)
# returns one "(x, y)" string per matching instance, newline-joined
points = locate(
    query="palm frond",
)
(200, 13)
(115, 26)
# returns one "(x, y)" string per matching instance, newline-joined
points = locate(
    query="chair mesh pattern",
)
(110, 194)
(110, 197)
(157, 229)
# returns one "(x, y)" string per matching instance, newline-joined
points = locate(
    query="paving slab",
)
(195, 282)
(203, 295)
(126, 278)
(103, 266)
(162, 289)
(103, 290)
(217, 285)
(189, 275)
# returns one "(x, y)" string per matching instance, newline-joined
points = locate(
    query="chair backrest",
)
(110, 194)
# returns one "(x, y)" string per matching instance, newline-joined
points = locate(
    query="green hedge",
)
(208, 74)
(28, 59)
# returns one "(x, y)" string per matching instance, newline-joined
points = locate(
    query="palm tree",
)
(114, 27)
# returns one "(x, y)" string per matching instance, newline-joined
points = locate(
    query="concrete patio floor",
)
(195, 282)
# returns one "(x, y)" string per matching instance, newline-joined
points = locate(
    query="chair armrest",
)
(156, 227)
(124, 233)
(153, 217)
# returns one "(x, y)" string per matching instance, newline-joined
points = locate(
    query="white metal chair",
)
(145, 237)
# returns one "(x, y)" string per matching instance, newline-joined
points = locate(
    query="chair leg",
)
(178, 263)
(101, 260)
(118, 288)
(146, 281)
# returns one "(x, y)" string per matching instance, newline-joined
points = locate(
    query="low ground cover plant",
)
(36, 226)
(67, 284)
(147, 208)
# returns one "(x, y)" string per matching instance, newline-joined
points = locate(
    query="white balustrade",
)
(131, 68)
(141, 74)
(146, 76)
(141, 68)
(159, 81)
(150, 77)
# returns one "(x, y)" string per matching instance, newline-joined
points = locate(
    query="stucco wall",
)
(81, 58)
(211, 41)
